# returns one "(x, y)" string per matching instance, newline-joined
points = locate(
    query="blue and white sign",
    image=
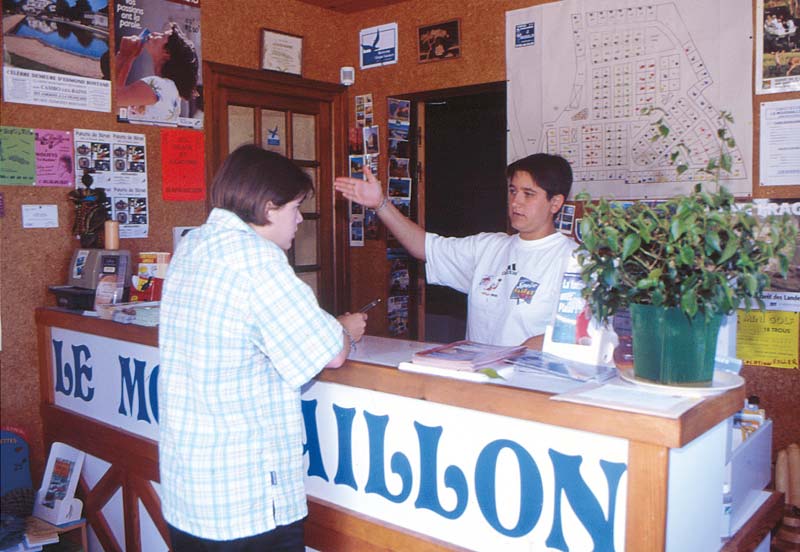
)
(378, 45)
(525, 35)
(108, 380)
(477, 480)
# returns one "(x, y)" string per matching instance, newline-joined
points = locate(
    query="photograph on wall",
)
(56, 53)
(117, 162)
(356, 141)
(398, 168)
(398, 277)
(17, 156)
(158, 63)
(378, 45)
(398, 148)
(364, 114)
(400, 188)
(370, 224)
(371, 140)
(439, 41)
(564, 219)
(54, 165)
(397, 312)
(777, 46)
(403, 205)
(357, 166)
(372, 161)
(357, 231)
(399, 111)
(398, 130)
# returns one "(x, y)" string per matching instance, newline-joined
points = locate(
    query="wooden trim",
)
(764, 520)
(648, 477)
(536, 405)
(335, 529)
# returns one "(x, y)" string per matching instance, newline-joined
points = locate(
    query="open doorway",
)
(465, 187)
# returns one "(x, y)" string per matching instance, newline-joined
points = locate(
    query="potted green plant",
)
(679, 266)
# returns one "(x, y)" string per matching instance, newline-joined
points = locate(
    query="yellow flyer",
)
(771, 338)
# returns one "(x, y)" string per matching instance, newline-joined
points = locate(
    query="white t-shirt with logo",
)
(513, 284)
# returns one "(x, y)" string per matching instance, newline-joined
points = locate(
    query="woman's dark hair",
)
(551, 173)
(182, 65)
(251, 177)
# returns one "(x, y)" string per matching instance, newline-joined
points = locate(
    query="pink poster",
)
(54, 158)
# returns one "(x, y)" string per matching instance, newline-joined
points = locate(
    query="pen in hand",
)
(370, 305)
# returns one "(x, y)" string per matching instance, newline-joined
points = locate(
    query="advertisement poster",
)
(54, 158)
(183, 165)
(155, 88)
(17, 156)
(770, 338)
(56, 54)
(777, 46)
(117, 162)
(378, 45)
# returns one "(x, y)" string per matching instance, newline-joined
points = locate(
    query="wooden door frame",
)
(218, 77)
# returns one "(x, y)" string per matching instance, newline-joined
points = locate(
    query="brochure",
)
(465, 355)
(545, 363)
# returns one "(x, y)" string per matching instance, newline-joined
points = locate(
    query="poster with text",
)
(117, 162)
(378, 45)
(17, 156)
(158, 62)
(182, 165)
(54, 166)
(56, 54)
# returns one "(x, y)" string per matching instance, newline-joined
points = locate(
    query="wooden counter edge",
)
(506, 401)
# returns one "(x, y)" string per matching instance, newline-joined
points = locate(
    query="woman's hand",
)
(368, 193)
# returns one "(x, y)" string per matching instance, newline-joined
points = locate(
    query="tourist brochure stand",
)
(55, 499)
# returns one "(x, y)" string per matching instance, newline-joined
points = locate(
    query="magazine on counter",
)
(545, 363)
(465, 355)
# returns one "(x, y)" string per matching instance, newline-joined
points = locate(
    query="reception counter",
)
(404, 461)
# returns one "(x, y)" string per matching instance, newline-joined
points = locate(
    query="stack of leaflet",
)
(547, 364)
(465, 355)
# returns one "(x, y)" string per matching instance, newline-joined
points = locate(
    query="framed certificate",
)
(282, 52)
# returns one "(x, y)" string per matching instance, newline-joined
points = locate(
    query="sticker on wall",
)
(524, 35)
(378, 45)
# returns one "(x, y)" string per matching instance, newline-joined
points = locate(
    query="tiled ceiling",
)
(351, 6)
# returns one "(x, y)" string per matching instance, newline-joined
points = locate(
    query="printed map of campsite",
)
(581, 72)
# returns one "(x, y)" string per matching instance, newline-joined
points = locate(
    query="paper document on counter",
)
(619, 396)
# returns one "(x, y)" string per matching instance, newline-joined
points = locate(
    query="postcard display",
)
(399, 193)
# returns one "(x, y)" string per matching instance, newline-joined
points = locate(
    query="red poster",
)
(182, 165)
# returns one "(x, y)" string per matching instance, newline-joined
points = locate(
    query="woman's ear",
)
(267, 208)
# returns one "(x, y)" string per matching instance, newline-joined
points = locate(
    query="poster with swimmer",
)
(157, 77)
(56, 54)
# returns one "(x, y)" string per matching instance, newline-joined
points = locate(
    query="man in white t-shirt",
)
(512, 281)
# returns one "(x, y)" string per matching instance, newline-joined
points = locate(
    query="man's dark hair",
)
(182, 65)
(251, 177)
(551, 173)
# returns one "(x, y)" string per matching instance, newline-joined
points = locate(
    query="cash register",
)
(86, 269)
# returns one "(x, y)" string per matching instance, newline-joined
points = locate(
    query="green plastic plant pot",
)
(672, 349)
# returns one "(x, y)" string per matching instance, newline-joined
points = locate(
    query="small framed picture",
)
(282, 52)
(439, 41)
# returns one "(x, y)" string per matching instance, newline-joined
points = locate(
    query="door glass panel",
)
(305, 243)
(304, 137)
(273, 131)
(312, 279)
(240, 126)
(309, 205)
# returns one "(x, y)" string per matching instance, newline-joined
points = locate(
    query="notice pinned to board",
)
(771, 338)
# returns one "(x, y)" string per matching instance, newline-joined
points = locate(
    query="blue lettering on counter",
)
(569, 482)
(69, 380)
(146, 395)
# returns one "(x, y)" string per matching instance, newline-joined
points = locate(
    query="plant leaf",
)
(630, 245)
(491, 373)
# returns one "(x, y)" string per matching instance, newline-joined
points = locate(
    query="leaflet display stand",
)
(55, 499)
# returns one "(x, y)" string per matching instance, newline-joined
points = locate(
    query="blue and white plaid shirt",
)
(239, 334)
